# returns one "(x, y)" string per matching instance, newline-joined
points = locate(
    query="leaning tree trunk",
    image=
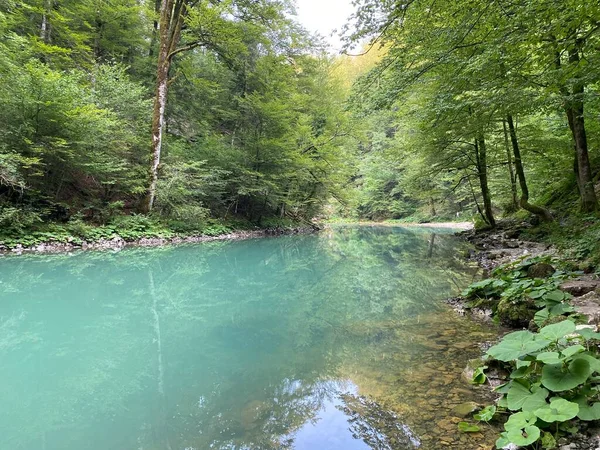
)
(481, 157)
(524, 201)
(511, 171)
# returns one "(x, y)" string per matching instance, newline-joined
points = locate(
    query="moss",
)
(515, 314)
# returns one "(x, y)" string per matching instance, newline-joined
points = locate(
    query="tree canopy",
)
(190, 111)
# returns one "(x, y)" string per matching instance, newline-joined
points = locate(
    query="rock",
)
(465, 409)
(578, 288)
(589, 306)
(512, 244)
(540, 270)
(516, 314)
(512, 234)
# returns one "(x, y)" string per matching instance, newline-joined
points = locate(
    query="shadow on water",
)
(329, 341)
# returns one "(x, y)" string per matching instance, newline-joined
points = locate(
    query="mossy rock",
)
(482, 303)
(517, 314)
(540, 270)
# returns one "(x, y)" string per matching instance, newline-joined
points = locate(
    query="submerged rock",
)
(465, 409)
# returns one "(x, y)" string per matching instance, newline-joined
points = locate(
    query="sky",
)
(323, 16)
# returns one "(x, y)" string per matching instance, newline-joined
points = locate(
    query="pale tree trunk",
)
(511, 172)
(45, 25)
(481, 158)
(171, 19)
(524, 201)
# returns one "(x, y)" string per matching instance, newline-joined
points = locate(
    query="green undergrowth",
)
(576, 236)
(129, 228)
(553, 384)
(524, 290)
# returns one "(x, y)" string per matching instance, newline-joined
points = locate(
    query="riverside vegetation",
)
(182, 117)
(550, 376)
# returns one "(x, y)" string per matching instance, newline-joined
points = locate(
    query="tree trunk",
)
(45, 25)
(157, 4)
(171, 18)
(524, 201)
(574, 109)
(481, 157)
(589, 201)
(511, 171)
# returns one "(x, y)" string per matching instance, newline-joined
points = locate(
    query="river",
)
(332, 341)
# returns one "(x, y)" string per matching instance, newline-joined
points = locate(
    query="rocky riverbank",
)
(118, 243)
(504, 245)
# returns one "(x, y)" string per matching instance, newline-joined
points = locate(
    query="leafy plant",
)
(511, 289)
(553, 380)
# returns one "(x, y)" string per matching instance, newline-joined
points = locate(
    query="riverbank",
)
(464, 226)
(116, 241)
(532, 283)
(65, 238)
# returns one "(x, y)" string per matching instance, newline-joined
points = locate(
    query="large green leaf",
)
(554, 296)
(525, 436)
(558, 410)
(519, 397)
(588, 333)
(520, 420)
(521, 430)
(517, 344)
(587, 411)
(594, 362)
(502, 441)
(549, 358)
(559, 378)
(572, 350)
(558, 330)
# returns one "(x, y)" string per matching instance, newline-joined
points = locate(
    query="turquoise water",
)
(323, 342)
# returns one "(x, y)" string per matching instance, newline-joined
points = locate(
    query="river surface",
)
(332, 341)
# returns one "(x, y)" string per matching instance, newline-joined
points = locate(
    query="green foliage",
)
(479, 375)
(466, 427)
(486, 414)
(514, 296)
(553, 380)
(16, 220)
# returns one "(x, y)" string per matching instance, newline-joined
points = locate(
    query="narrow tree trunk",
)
(432, 207)
(157, 4)
(524, 201)
(589, 201)
(45, 25)
(171, 17)
(481, 153)
(574, 109)
(511, 171)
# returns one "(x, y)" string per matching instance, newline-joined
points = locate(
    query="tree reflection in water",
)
(234, 345)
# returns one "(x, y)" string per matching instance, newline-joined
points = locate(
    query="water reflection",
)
(237, 345)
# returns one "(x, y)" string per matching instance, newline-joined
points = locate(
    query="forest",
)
(187, 116)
